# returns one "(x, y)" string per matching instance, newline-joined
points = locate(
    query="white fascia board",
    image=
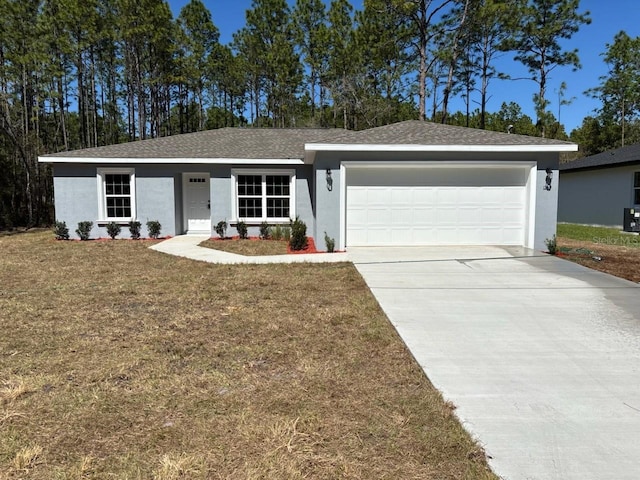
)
(333, 147)
(183, 161)
(442, 164)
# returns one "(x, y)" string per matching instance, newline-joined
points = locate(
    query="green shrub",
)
(552, 245)
(221, 229)
(242, 229)
(276, 232)
(84, 229)
(265, 231)
(330, 242)
(61, 230)
(280, 232)
(113, 230)
(298, 240)
(134, 229)
(153, 227)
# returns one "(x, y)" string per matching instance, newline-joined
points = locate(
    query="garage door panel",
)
(427, 207)
(423, 218)
(424, 196)
(513, 217)
(447, 195)
(512, 236)
(447, 216)
(402, 217)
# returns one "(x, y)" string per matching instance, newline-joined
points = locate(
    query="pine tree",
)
(543, 24)
(619, 90)
(311, 33)
(199, 41)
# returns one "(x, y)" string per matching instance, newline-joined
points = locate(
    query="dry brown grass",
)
(118, 362)
(249, 247)
(620, 260)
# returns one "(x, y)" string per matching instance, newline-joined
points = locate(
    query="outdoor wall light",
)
(549, 179)
(329, 180)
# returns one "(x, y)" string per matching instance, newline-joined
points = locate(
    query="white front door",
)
(197, 207)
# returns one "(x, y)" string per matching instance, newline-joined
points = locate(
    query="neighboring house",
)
(595, 190)
(410, 183)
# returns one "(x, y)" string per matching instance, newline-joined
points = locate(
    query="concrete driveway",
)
(540, 356)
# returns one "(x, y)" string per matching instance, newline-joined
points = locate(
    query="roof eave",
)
(334, 147)
(164, 161)
(622, 164)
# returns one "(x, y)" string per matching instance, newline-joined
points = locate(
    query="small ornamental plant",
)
(61, 231)
(265, 231)
(330, 242)
(298, 240)
(286, 234)
(154, 227)
(84, 229)
(552, 245)
(113, 230)
(134, 229)
(242, 229)
(221, 229)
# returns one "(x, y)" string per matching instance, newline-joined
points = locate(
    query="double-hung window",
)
(636, 188)
(116, 194)
(264, 195)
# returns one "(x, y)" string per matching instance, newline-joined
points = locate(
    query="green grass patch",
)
(248, 247)
(597, 235)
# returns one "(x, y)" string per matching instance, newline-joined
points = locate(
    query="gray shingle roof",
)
(249, 143)
(416, 132)
(623, 155)
(272, 143)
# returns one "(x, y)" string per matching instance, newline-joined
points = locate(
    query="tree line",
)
(85, 73)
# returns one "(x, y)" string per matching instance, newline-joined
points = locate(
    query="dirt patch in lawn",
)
(120, 362)
(620, 260)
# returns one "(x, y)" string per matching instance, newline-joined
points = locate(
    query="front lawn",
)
(118, 362)
(598, 235)
(604, 249)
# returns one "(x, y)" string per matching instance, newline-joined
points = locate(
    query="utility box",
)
(631, 220)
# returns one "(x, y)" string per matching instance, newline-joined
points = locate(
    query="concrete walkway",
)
(187, 246)
(540, 356)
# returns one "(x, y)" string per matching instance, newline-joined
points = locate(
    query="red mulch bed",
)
(310, 248)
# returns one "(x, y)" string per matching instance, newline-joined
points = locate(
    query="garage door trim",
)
(530, 187)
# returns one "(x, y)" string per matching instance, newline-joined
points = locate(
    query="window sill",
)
(256, 223)
(102, 223)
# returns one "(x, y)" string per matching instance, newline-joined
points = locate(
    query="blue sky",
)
(608, 18)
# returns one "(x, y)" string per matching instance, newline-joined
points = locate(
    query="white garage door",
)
(436, 206)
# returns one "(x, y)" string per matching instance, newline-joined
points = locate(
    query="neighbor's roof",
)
(290, 144)
(620, 156)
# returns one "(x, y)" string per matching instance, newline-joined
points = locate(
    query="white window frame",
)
(263, 173)
(102, 193)
(635, 187)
